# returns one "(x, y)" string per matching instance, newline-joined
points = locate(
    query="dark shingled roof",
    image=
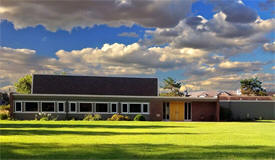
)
(93, 85)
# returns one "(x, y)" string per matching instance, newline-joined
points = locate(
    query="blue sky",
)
(240, 47)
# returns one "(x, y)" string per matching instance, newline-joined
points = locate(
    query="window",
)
(135, 108)
(31, 106)
(61, 106)
(72, 106)
(124, 108)
(85, 107)
(145, 108)
(18, 106)
(187, 111)
(113, 107)
(166, 110)
(101, 107)
(47, 106)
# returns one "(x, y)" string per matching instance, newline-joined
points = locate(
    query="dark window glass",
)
(101, 107)
(47, 106)
(135, 108)
(73, 107)
(185, 110)
(164, 110)
(85, 107)
(31, 106)
(145, 108)
(18, 106)
(189, 110)
(114, 108)
(124, 108)
(61, 107)
(168, 110)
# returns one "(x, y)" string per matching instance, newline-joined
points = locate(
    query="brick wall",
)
(155, 110)
(204, 111)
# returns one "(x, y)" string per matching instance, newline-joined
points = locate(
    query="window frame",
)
(129, 108)
(111, 107)
(148, 108)
(32, 102)
(58, 102)
(141, 105)
(21, 102)
(86, 102)
(122, 108)
(48, 102)
(108, 111)
(70, 103)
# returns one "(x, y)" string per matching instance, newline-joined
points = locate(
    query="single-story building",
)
(247, 107)
(76, 96)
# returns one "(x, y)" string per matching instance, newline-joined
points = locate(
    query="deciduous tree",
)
(24, 84)
(252, 86)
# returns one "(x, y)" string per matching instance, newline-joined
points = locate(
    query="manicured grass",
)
(137, 140)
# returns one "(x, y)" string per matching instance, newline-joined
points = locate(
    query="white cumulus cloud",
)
(269, 47)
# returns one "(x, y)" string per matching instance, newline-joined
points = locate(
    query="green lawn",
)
(137, 140)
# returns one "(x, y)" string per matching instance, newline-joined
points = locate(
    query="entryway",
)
(177, 111)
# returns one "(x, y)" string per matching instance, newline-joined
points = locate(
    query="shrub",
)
(248, 118)
(91, 117)
(139, 117)
(45, 117)
(4, 114)
(97, 117)
(118, 117)
(5, 107)
(259, 118)
(88, 117)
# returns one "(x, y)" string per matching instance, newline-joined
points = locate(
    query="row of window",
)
(84, 107)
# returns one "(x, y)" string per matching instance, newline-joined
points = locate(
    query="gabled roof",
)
(94, 85)
(211, 93)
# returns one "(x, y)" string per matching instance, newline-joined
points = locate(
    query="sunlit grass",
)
(137, 140)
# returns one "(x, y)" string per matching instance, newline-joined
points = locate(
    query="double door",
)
(180, 111)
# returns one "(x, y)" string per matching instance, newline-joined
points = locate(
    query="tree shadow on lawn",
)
(10, 132)
(39, 125)
(257, 121)
(132, 151)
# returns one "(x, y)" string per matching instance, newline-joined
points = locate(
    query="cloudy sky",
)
(208, 44)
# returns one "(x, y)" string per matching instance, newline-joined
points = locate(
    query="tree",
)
(252, 86)
(4, 97)
(173, 87)
(23, 85)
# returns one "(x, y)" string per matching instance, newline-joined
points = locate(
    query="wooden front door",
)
(176, 111)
